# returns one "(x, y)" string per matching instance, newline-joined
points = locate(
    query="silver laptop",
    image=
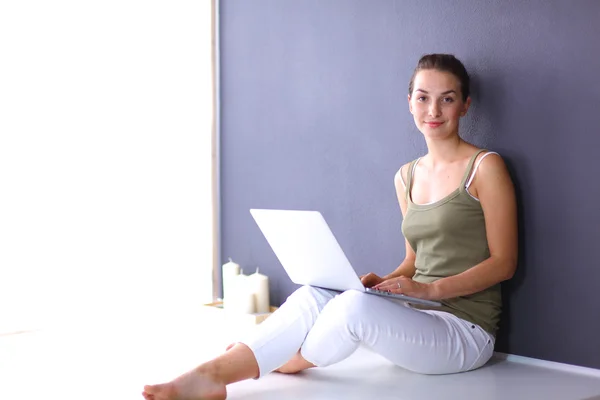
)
(310, 254)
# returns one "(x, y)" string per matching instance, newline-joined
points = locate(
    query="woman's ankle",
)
(235, 365)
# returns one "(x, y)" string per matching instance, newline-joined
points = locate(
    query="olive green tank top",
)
(449, 237)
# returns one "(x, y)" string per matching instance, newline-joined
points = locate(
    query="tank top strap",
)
(409, 179)
(469, 168)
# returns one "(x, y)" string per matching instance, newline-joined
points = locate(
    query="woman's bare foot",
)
(295, 365)
(194, 385)
(208, 381)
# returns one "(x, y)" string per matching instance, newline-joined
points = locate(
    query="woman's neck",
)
(445, 151)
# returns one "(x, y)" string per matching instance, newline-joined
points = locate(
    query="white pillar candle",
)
(259, 284)
(229, 271)
(241, 298)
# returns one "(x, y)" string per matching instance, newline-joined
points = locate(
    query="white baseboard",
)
(573, 369)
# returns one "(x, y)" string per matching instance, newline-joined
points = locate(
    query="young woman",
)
(460, 227)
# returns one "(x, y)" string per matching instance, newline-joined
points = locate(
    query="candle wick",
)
(230, 259)
(257, 270)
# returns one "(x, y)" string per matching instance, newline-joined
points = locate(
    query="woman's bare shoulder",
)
(401, 176)
(490, 162)
(489, 169)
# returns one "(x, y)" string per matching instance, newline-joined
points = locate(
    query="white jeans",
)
(328, 327)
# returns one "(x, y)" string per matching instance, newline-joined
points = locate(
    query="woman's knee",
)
(303, 292)
(354, 298)
(309, 294)
(349, 304)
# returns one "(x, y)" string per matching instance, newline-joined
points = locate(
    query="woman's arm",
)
(494, 188)
(407, 267)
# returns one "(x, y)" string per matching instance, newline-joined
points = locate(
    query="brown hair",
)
(444, 63)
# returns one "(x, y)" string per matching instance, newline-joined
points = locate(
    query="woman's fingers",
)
(407, 287)
(364, 279)
(370, 279)
(388, 285)
(391, 285)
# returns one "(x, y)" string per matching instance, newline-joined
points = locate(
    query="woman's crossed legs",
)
(318, 327)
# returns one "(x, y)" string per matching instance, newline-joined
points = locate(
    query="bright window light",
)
(105, 161)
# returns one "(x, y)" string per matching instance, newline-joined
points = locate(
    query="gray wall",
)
(314, 116)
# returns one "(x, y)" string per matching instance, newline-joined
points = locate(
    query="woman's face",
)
(436, 103)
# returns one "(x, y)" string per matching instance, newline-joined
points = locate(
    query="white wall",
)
(105, 130)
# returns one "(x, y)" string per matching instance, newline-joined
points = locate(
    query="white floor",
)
(100, 363)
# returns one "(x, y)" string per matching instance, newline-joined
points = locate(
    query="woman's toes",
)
(158, 391)
(148, 396)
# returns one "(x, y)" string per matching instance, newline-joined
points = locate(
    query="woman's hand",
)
(404, 285)
(370, 280)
